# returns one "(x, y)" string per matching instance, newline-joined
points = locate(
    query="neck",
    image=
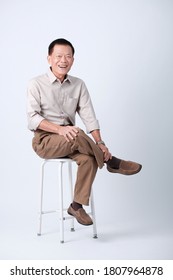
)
(59, 77)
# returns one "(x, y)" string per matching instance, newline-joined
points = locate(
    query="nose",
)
(63, 58)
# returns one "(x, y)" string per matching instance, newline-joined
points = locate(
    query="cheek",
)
(71, 63)
(52, 61)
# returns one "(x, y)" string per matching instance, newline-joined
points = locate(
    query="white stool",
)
(62, 217)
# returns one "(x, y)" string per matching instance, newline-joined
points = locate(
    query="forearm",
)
(98, 139)
(68, 132)
(49, 126)
(96, 135)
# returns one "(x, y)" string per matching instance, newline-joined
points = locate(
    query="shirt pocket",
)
(71, 104)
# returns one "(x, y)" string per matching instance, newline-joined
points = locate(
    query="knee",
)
(89, 161)
(82, 134)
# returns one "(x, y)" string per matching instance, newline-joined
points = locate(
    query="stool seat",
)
(61, 210)
(58, 160)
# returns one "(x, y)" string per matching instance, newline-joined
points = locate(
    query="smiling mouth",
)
(62, 67)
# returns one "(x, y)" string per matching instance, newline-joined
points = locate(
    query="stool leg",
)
(71, 190)
(93, 215)
(61, 203)
(41, 199)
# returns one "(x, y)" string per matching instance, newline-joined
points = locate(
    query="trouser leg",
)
(87, 168)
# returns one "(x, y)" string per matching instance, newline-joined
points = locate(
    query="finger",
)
(76, 129)
(71, 136)
(66, 137)
(74, 132)
(107, 156)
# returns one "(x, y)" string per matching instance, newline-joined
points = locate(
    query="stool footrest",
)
(51, 211)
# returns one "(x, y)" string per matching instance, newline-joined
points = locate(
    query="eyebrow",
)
(63, 53)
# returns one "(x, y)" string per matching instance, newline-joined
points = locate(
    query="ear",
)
(49, 59)
(72, 60)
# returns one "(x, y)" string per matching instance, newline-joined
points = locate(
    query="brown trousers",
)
(82, 149)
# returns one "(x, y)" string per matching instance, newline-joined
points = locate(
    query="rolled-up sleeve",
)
(33, 106)
(86, 110)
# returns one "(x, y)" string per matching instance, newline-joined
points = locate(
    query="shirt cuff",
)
(34, 122)
(92, 126)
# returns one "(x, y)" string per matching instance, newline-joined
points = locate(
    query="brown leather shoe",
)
(81, 216)
(126, 168)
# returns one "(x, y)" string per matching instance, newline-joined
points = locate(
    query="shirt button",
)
(62, 115)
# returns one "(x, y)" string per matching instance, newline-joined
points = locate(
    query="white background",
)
(124, 55)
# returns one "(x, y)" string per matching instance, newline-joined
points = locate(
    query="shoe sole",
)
(123, 172)
(78, 221)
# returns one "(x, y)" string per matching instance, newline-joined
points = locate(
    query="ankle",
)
(75, 205)
(114, 162)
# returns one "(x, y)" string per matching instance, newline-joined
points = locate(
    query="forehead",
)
(64, 49)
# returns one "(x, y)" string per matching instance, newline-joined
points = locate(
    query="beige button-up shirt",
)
(48, 98)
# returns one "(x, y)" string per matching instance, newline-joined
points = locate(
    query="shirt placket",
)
(61, 100)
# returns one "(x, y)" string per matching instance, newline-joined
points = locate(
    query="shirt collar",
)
(53, 78)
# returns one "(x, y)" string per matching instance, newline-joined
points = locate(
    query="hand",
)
(69, 132)
(107, 154)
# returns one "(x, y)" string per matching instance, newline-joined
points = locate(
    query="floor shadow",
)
(110, 234)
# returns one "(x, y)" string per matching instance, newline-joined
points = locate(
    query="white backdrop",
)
(124, 55)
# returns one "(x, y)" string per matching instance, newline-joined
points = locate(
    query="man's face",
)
(61, 60)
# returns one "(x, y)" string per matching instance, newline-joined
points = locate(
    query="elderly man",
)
(53, 100)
